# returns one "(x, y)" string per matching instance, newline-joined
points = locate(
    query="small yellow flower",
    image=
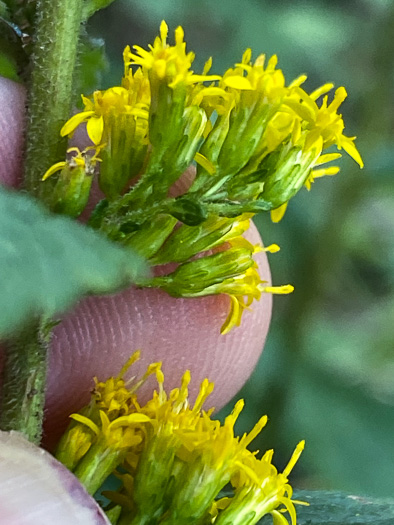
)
(260, 490)
(117, 120)
(82, 159)
(323, 121)
(175, 458)
(268, 81)
(242, 290)
(104, 106)
(169, 63)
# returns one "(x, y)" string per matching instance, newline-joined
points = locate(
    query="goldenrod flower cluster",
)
(172, 458)
(255, 142)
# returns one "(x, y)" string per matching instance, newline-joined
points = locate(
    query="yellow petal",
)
(53, 169)
(205, 163)
(294, 458)
(332, 170)
(328, 157)
(278, 213)
(234, 316)
(94, 128)
(339, 97)
(272, 62)
(163, 31)
(238, 82)
(207, 66)
(247, 56)
(125, 421)
(298, 81)
(348, 145)
(86, 421)
(179, 35)
(278, 518)
(321, 91)
(71, 125)
(281, 290)
(272, 248)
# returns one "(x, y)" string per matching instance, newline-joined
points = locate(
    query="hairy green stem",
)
(51, 88)
(49, 105)
(24, 379)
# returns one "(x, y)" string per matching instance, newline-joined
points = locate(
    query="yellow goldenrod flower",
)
(175, 458)
(260, 490)
(232, 272)
(117, 119)
(171, 63)
(255, 140)
(297, 141)
(103, 105)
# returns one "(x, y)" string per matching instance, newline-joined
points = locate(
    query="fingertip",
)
(12, 115)
(102, 332)
(35, 489)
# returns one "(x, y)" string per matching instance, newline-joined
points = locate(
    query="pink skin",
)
(38, 490)
(98, 336)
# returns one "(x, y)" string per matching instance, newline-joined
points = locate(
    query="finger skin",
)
(98, 336)
(35, 489)
(12, 114)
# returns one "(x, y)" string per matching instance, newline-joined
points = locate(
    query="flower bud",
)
(71, 191)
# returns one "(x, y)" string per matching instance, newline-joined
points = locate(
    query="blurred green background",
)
(327, 372)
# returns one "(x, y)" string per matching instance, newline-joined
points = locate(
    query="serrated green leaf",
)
(47, 262)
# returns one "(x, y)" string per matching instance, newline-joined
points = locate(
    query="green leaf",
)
(91, 6)
(47, 262)
(337, 508)
(93, 65)
(13, 58)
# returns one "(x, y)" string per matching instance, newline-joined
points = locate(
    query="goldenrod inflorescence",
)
(254, 140)
(172, 458)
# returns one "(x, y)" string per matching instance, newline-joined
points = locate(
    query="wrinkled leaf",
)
(47, 262)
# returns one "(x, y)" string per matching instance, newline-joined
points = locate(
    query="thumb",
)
(35, 489)
(98, 336)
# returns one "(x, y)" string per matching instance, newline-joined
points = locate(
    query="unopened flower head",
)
(175, 458)
(71, 191)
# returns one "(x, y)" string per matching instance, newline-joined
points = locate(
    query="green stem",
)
(24, 379)
(51, 88)
(49, 105)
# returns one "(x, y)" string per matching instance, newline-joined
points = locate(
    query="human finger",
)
(98, 336)
(35, 489)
